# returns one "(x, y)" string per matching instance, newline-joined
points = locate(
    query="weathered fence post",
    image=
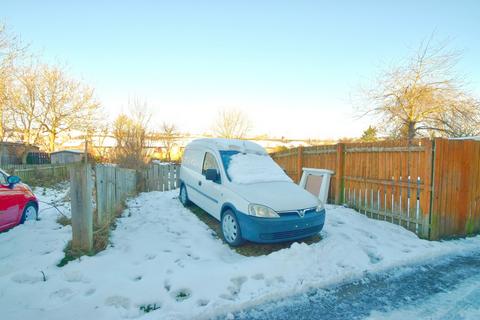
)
(340, 164)
(82, 210)
(299, 163)
(101, 194)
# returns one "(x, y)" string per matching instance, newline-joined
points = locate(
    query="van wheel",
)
(184, 196)
(29, 213)
(231, 229)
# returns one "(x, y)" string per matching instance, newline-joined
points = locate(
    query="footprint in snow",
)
(367, 234)
(181, 294)
(167, 285)
(89, 292)
(258, 276)
(150, 256)
(24, 278)
(202, 302)
(118, 302)
(179, 263)
(137, 278)
(194, 257)
(271, 281)
(235, 288)
(374, 258)
(75, 276)
(63, 294)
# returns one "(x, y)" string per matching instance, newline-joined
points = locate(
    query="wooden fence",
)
(31, 172)
(161, 177)
(112, 186)
(431, 187)
(108, 186)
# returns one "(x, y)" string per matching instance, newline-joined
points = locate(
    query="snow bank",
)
(252, 168)
(162, 257)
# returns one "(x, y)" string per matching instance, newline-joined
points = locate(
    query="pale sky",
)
(290, 65)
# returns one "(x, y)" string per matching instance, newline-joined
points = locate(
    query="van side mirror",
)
(13, 180)
(212, 175)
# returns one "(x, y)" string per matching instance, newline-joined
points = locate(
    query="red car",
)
(17, 202)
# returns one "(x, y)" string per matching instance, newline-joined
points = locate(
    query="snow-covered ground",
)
(162, 257)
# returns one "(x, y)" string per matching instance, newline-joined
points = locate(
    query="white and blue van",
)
(238, 183)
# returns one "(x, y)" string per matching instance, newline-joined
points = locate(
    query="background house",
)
(20, 153)
(66, 156)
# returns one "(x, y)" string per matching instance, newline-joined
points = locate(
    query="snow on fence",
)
(161, 177)
(431, 187)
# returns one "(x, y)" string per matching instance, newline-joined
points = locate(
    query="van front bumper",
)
(285, 228)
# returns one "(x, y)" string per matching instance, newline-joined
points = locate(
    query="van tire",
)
(183, 196)
(231, 229)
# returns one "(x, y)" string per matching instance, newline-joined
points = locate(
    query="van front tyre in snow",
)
(184, 196)
(231, 229)
(29, 213)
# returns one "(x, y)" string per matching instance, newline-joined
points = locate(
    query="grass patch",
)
(248, 249)
(40, 178)
(182, 294)
(70, 255)
(64, 220)
(101, 238)
(146, 308)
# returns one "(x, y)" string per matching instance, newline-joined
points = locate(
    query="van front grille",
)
(291, 233)
(295, 212)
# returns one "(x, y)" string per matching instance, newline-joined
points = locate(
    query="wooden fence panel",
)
(161, 177)
(388, 180)
(29, 173)
(456, 189)
(321, 157)
(113, 186)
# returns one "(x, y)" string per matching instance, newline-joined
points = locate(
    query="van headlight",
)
(258, 210)
(320, 207)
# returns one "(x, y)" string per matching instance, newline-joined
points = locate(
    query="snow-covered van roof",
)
(228, 144)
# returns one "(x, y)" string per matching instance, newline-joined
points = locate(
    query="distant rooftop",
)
(68, 151)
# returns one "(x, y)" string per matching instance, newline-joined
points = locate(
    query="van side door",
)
(212, 190)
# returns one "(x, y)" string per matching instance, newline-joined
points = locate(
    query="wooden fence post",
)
(82, 210)
(339, 173)
(101, 188)
(428, 193)
(299, 163)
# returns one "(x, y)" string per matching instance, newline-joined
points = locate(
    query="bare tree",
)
(131, 134)
(99, 141)
(168, 135)
(461, 119)
(66, 104)
(422, 96)
(10, 51)
(25, 104)
(231, 124)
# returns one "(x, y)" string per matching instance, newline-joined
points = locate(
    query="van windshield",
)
(247, 168)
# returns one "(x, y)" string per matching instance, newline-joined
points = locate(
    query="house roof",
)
(68, 151)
